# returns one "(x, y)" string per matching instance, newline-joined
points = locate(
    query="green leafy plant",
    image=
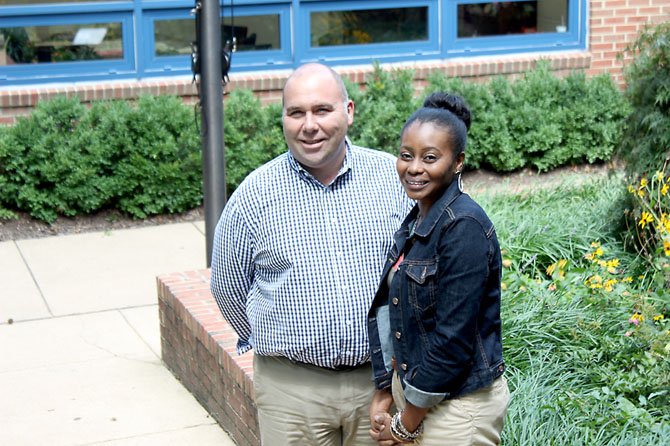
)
(66, 160)
(646, 142)
(649, 225)
(585, 338)
(380, 112)
(540, 120)
(253, 135)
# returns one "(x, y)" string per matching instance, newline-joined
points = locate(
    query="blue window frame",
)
(426, 17)
(335, 32)
(570, 32)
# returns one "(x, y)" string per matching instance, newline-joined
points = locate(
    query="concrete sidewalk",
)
(80, 360)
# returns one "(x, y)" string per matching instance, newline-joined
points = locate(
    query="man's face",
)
(316, 119)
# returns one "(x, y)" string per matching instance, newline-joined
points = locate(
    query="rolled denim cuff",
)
(421, 398)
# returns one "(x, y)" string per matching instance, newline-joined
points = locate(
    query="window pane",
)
(253, 32)
(37, 2)
(60, 43)
(258, 32)
(501, 18)
(333, 28)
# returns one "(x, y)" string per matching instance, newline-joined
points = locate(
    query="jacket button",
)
(403, 366)
(397, 335)
(395, 301)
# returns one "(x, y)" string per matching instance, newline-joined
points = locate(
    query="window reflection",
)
(503, 18)
(332, 28)
(257, 32)
(60, 43)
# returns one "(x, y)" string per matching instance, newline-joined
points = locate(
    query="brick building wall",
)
(613, 24)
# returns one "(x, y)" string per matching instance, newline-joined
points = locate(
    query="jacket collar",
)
(428, 223)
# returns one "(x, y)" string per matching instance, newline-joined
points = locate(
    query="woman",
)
(434, 325)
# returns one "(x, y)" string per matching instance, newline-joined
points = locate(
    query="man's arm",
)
(232, 272)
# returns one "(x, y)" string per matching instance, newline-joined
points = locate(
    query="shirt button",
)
(397, 335)
(395, 301)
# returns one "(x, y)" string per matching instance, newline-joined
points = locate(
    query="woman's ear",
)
(460, 162)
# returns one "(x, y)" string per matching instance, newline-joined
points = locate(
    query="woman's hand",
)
(380, 418)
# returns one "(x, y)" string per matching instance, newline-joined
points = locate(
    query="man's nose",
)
(310, 124)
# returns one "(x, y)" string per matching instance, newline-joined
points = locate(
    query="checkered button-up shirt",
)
(295, 264)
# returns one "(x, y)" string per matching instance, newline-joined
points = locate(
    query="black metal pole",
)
(211, 100)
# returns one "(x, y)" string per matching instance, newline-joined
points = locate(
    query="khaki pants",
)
(475, 419)
(308, 406)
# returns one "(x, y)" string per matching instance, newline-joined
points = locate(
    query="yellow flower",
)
(664, 223)
(598, 252)
(503, 286)
(597, 244)
(550, 269)
(664, 189)
(666, 247)
(609, 284)
(643, 183)
(627, 279)
(611, 265)
(640, 193)
(552, 287)
(506, 263)
(631, 189)
(659, 318)
(659, 175)
(644, 219)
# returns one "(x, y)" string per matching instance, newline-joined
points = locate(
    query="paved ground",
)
(80, 356)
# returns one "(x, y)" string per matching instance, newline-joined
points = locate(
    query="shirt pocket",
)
(422, 286)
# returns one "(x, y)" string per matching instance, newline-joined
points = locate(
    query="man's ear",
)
(350, 111)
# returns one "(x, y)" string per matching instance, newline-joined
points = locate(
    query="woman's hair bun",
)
(451, 102)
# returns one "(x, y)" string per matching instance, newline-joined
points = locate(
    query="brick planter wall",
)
(198, 347)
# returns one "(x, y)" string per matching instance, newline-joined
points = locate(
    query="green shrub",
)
(646, 142)
(66, 160)
(145, 158)
(160, 168)
(540, 120)
(253, 135)
(46, 172)
(382, 109)
(646, 150)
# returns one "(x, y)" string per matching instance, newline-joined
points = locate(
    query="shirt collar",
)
(346, 164)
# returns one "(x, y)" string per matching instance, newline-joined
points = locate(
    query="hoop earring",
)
(460, 181)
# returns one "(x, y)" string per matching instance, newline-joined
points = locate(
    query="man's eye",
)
(295, 114)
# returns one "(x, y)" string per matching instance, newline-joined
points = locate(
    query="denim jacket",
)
(441, 313)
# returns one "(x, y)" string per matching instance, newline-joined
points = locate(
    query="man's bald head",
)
(316, 69)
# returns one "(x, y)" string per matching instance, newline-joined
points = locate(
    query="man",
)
(297, 257)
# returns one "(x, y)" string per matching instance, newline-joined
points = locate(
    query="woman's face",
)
(427, 164)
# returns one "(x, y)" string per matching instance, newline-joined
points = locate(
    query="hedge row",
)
(144, 158)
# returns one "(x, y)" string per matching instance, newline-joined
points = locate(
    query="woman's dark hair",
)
(448, 111)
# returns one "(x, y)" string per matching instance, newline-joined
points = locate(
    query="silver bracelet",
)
(400, 432)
